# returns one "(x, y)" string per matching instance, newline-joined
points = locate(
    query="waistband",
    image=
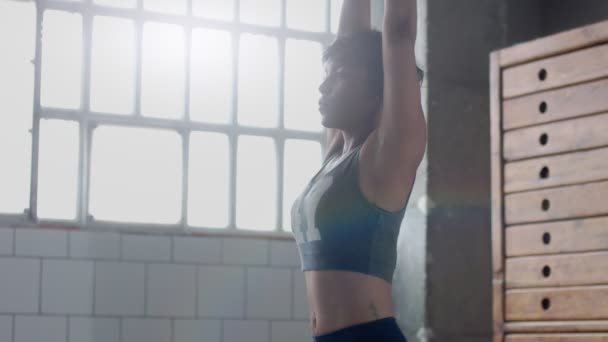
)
(386, 328)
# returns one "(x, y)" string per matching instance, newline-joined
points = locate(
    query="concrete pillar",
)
(460, 36)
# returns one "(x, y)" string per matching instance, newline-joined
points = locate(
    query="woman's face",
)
(346, 101)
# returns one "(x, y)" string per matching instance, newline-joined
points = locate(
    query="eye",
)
(342, 74)
(332, 76)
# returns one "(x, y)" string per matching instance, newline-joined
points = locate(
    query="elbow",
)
(399, 30)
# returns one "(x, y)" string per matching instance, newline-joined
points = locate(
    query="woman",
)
(346, 222)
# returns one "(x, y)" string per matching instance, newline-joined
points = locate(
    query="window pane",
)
(256, 199)
(302, 162)
(165, 6)
(113, 65)
(163, 73)
(213, 9)
(211, 76)
(336, 6)
(61, 59)
(136, 175)
(306, 15)
(116, 3)
(261, 12)
(58, 169)
(303, 75)
(209, 171)
(17, 37)
(258, 81)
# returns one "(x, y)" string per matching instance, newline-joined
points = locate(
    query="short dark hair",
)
(362, 48)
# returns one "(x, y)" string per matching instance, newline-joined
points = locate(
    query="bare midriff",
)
(339, 299)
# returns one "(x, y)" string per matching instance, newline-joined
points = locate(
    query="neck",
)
(355, 136)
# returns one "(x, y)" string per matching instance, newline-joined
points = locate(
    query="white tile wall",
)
(146, 247)
(245, 251)
(171, 290)
(19, 285)
(221, 291)
(94, 329)
(67, 286)
(94, 245)
(6, 328)
(268, 293)
(250, 331)
(119, 288)
(300, 306)
(91, 286)
(197, 330)
(284, 253)
(291, 331)
(40, 328)
(197, 249)
(146, 330)
(41, 242)
(6, 241)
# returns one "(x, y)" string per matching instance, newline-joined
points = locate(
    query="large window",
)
(158, 114)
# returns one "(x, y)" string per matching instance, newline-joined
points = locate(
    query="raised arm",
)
(401, 137)
(355, 16)
(400, 19)
(397, 146)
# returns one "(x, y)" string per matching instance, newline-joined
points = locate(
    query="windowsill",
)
(20, 221)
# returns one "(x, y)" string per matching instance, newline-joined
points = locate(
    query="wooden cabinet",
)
(549, 132)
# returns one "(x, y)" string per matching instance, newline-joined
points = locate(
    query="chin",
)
(326, 122)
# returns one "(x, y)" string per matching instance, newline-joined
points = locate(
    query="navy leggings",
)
(384, 329)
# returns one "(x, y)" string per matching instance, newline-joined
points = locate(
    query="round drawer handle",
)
(544, 139)
(546, 204)
(542, 74)
(546, 238)
(546, 303)
(543, 107)
(546, 271)
(544, 173)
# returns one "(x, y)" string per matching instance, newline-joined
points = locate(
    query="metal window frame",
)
(88, 120)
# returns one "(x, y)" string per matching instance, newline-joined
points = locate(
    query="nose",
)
(324, 88)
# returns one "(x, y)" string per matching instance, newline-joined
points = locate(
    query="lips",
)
(323, 107)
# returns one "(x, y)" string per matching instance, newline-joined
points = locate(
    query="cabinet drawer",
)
(574, 303)
(553, 327)
(553, 72)
(563, 136)
(564, 169)
(581, 235)
(559, 104)
(557, 270)
(559, 203)
(592, 337)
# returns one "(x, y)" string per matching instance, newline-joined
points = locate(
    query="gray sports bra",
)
(337, 228)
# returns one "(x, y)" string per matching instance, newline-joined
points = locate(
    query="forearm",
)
(355, 16)
(400, 19)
